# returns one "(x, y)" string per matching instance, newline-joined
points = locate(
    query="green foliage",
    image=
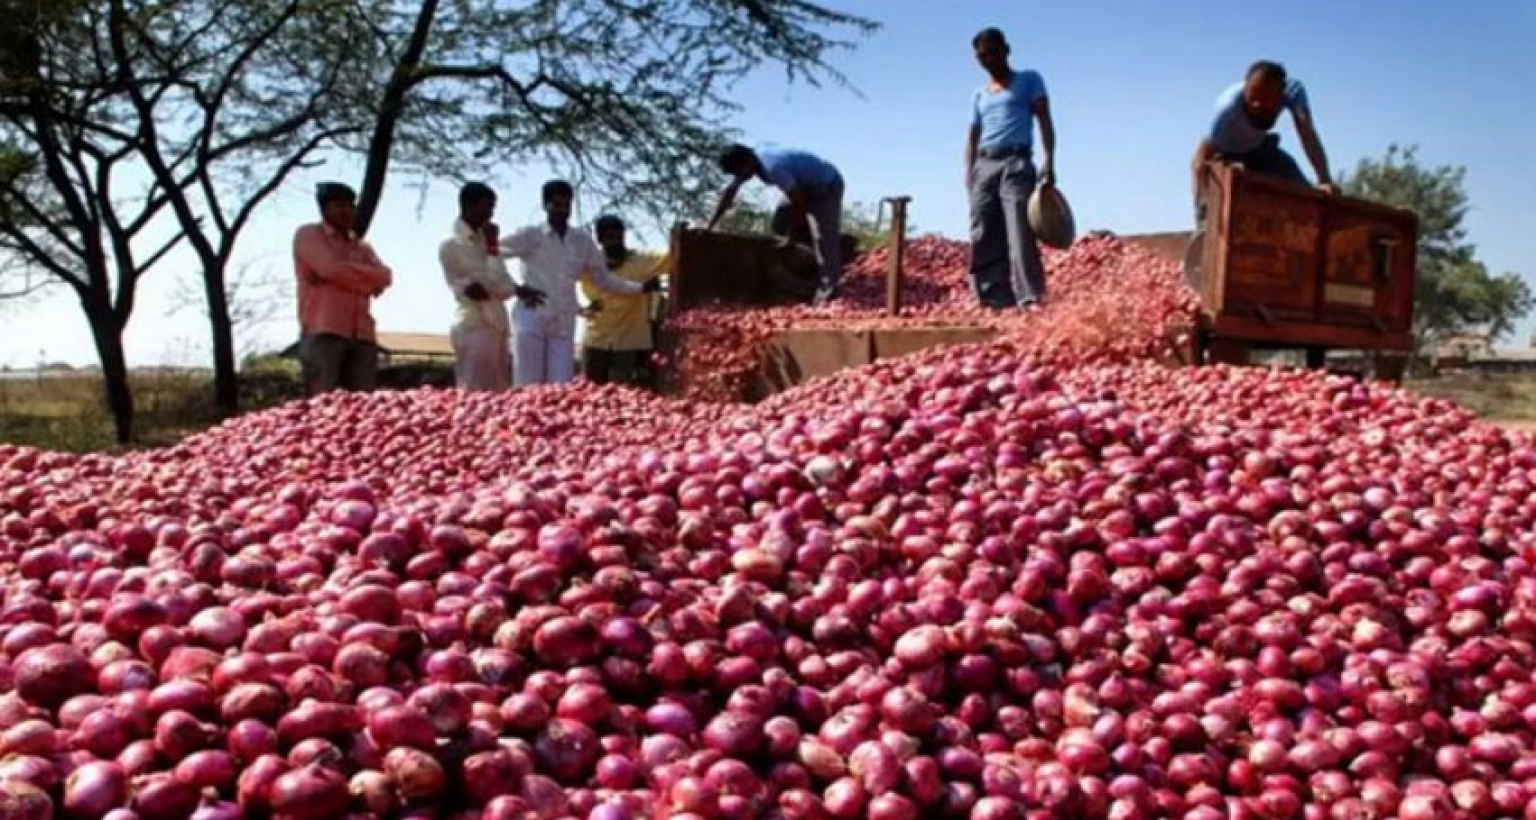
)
(1454, 292)
(630, 100)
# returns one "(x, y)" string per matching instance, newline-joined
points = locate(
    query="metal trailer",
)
(1280, 265)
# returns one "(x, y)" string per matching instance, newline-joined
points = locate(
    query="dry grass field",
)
(66, 411)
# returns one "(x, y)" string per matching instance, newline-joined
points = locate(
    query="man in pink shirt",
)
(338, 277)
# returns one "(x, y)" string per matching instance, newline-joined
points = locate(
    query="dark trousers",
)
(1268, 159)
(330, 362)
(598, 366)
(1271, 160)
(1006, 269)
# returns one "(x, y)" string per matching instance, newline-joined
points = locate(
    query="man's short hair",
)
(557, 187)
(991, 34)
(607, 222)
(328, 192)
(735, 156)
(1267, 70)
(474, 193)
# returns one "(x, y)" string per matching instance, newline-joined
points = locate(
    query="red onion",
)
(161, 797)
(47, 676)
(415, 774)
(24, 802)
(95, 789)
(310, 793)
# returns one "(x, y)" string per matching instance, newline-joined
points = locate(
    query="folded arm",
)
(315, 254)
(464, 269)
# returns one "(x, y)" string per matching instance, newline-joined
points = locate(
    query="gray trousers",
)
(330, 362)
(1006, 269)
(825, 209)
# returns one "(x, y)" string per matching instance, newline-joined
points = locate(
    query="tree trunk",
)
(226, 379)
(108, 335)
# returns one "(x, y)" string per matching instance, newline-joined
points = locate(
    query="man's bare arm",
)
(1313, 144)
(727, 199)
(972, 139)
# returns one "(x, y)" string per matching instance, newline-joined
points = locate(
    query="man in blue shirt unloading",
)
(1241, 132)
(1000, 175)
(812, 185)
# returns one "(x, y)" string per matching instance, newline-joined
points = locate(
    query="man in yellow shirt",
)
(619, 324)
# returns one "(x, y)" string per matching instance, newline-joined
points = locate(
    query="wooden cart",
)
(1282, 266)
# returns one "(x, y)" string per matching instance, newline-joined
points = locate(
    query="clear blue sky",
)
(1132, 84)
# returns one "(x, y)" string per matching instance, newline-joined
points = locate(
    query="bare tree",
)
(217, 103)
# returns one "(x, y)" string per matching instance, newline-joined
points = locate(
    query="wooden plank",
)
(795, 356)
(1309, 333)
(900, 342)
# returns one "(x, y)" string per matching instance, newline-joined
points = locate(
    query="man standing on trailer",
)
(555, 258)
(1241, 133)
(619, 330)
(813, 186)
(339, 276)
(1006, 269)
(478, 278)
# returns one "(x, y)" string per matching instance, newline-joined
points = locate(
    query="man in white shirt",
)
(556, 258)
(480, 283)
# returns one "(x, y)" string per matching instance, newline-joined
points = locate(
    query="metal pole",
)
(898, 253)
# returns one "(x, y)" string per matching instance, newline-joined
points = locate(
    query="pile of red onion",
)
(1106, 296)
(980, 583)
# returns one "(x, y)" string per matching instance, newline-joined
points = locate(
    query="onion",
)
(208, 769)
(373, 792)
(161, 797)
(254, 787)
(24, 802)
(93, 790)
(47, 676)
(566, 750)
(309, 793)
(415, 774)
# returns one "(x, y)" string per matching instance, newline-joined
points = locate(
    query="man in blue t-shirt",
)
(812, 186)
(1006, 269)
(1242, 130)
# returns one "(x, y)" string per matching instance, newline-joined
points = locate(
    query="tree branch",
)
(391, 108)
(150, 261)
(39, 256)
(276, 180)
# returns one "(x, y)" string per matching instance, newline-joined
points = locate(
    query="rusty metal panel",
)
(710, 267)
(1368, 268)
(1285, 264)
(1271, 255)
(713, 267)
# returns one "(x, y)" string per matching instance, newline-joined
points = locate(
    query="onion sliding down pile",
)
(1039, 578)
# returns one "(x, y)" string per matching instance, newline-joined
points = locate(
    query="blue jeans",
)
(1006, 269)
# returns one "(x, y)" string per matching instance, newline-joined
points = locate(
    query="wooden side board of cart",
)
(1283, 266)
